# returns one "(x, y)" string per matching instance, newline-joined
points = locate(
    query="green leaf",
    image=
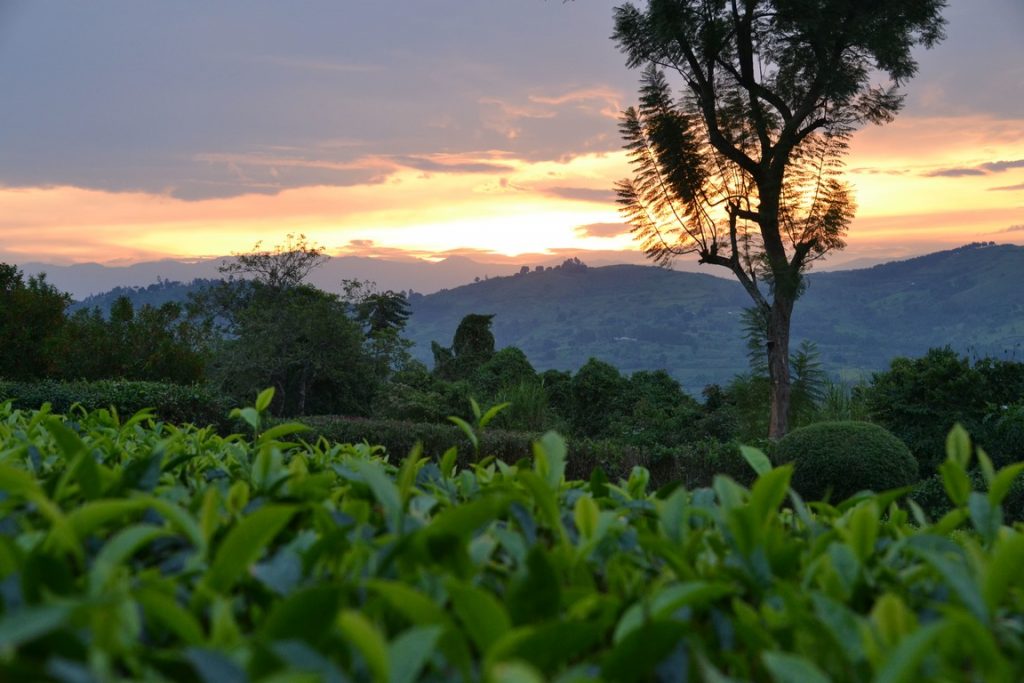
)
(545, 499)
(514, 672)
(409, 602)
(264, 399)
(757, 460)
(368, 640)
(163, 609)
(467, 429)
(68, 442)
(448, 461)
(119, 548)
(410, 651)
(1003, 569)
(987, 518)
(245, 543)
(789, 668)
(893, 619)
(958, 446)
(91, 516)
(862, 529)
(249, 415)
(902, 663)
(26, 624)
(464, 519)
(1002, 482)
(769, 491)
(484, 618)
(585, 514)
(383, 488)
(492, 412)
(549, 458)
(956, 482)
(408, 471)
(277, 431)
(668, 601)
(957, 580)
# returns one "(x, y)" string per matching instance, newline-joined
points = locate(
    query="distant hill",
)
(640, 317)
(85, 279)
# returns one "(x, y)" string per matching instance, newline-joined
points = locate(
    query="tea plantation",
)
(135, 550)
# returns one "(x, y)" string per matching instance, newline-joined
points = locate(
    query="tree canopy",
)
(742, 168)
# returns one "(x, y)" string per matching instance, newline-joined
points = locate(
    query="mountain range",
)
(643, 317)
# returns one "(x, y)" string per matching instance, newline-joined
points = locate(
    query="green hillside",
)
(640, 317)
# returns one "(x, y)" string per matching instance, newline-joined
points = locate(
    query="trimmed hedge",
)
(178, 403)
(838, 459)
(694, 467)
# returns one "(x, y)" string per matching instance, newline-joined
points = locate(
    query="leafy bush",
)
(842, 458)
(919, 399)
(398, 437)
(934, 500)
(154, 553)
(196, 404)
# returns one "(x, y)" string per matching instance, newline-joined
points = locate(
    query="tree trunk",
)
(778, 364)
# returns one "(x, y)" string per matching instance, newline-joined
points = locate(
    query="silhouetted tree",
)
(286, 265)
(472, 346)
(742, 170)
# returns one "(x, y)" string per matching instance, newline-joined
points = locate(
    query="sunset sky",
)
(138, 129)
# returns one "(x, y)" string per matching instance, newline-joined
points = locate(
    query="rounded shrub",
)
(838, 459)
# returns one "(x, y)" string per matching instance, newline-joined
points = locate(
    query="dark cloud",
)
(954, 173)
(131, 96)
(582, 194)
(1008, 188)
(603, 229)
(981, 169)
(435, 166)
(1000, 166)
(1013, 228)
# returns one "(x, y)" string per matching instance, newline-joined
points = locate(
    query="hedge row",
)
(177, 403)
(695, 465)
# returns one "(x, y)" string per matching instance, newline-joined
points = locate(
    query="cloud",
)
(608, 98)
(1000, 166)
(1018, 186)
(954, 173)
(580, 194)
(446, 164)
(1012, 228)
(980, 169)
(603, 229)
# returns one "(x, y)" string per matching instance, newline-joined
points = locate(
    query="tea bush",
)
(134, 550)
(842, 458)
(197, 404)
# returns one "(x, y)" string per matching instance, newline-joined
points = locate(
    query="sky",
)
(133, 130)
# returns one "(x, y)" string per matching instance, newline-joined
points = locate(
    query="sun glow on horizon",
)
(916, 181)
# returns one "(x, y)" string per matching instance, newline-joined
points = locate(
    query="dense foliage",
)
(196, 404)
(915, 396)
(136, 550)
(834, 460)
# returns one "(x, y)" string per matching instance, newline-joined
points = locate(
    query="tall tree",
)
(743, 168)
